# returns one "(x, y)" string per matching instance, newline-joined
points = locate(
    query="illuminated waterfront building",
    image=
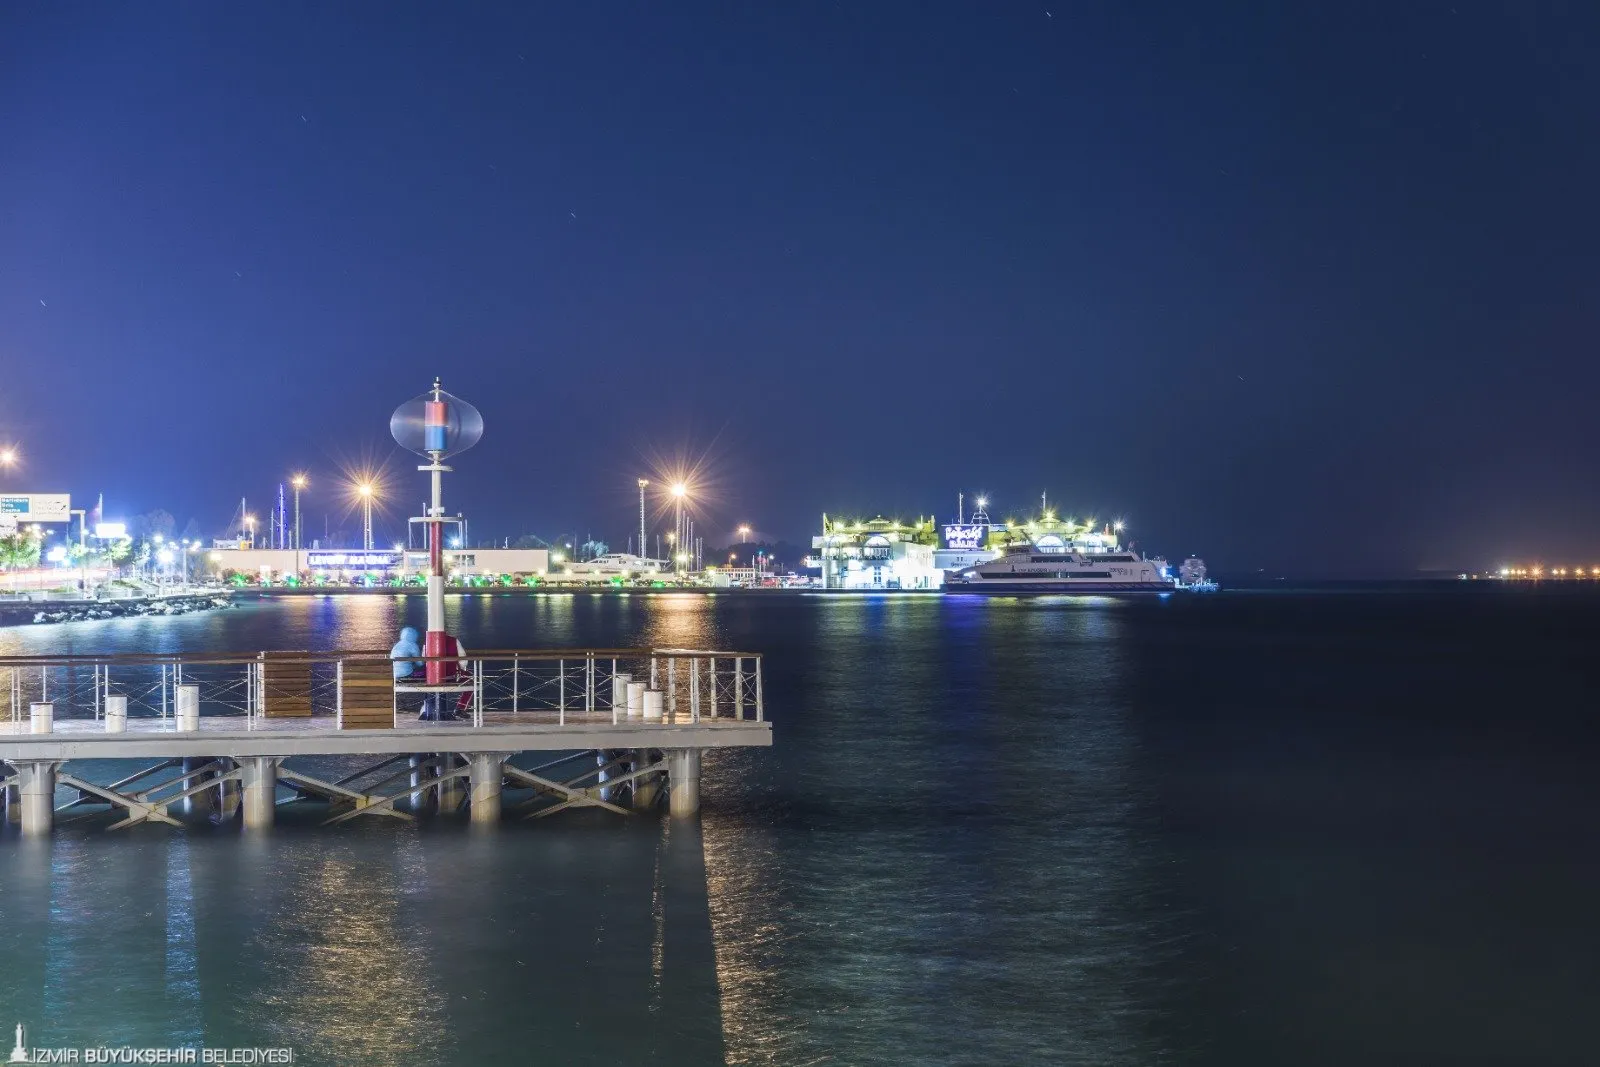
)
(879, 553)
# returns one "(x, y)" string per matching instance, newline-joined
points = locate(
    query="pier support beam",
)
(452, 791)
(646, 787)
(683, 781)
(488, 770)
(204, 802)
(228, 800)
(422, 789)
(36, 783)
(260, 777)
(10, 799)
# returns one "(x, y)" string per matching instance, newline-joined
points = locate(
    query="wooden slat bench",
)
(368, 695)
(286, 685)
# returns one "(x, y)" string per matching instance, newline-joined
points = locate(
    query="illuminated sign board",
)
(966, 536)
(109, 530)
(37, 507)
(355, 559)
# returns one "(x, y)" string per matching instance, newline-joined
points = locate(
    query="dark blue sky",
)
(1309, 289)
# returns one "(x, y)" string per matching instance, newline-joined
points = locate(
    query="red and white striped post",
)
(436, 425)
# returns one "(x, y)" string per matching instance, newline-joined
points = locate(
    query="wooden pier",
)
(218, 732)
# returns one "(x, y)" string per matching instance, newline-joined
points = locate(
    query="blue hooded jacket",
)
(406, 647)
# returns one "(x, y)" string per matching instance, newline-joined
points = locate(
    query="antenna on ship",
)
(961, 503)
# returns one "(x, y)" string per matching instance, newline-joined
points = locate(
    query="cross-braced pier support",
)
(646, 787)
(452, 791)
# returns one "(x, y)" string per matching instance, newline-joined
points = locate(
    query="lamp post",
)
(299, 483)
(365, 491)
(642, 483)
(744, 534)
(679, 491)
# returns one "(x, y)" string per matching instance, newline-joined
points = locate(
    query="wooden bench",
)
(367, 695)
(285, 685)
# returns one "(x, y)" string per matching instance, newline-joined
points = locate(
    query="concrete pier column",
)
(422, 788)
(647, 788)
(37, 786)
(116, 714)
(452, 791)
(487, 776)
(260, 791)
(205, 801)
(683, 781)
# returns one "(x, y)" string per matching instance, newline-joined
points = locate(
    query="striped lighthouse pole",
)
(435, 424)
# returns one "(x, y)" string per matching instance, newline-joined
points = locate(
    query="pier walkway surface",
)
(223, 728)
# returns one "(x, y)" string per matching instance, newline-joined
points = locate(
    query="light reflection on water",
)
(1202, 830)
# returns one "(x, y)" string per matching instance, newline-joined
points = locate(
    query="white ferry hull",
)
(1013, 586)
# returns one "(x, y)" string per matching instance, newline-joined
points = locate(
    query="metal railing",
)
(490, 687)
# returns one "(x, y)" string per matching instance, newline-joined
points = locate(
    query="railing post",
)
(514, 673)
(163, 692)
(338, 694)
(694, 689)
(655, 678)
(588, 695)
(672, 688)
(477, 696)
(761, 713)
(44, 685)
(738, 687)
(561, 691)
(713, 687)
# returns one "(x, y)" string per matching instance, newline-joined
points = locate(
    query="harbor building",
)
(879, 553)
(349, 564)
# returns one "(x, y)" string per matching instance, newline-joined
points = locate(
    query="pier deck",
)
(638, 717)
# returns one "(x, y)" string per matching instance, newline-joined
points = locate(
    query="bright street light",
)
(744, 534)
(8, 457)
(679, 489)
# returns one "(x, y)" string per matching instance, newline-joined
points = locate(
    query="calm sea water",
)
(1255, 828)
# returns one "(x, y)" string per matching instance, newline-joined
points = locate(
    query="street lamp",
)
(744, 534)
(299, 482)
(679, 491)
(8, 457)
(364, 489)
(250, 527)
(642, 483)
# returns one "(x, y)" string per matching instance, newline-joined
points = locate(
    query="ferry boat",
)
(1052, 565)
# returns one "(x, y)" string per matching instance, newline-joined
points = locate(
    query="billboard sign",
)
(37, 507)
(354, 559)
(966, 536)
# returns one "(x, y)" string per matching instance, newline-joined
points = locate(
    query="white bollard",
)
(635, 699)
(619, 689)
(653, 700)
(43, 717)
(116, 714)
(186, 716)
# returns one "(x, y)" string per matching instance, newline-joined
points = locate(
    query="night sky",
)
(1310, 289)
